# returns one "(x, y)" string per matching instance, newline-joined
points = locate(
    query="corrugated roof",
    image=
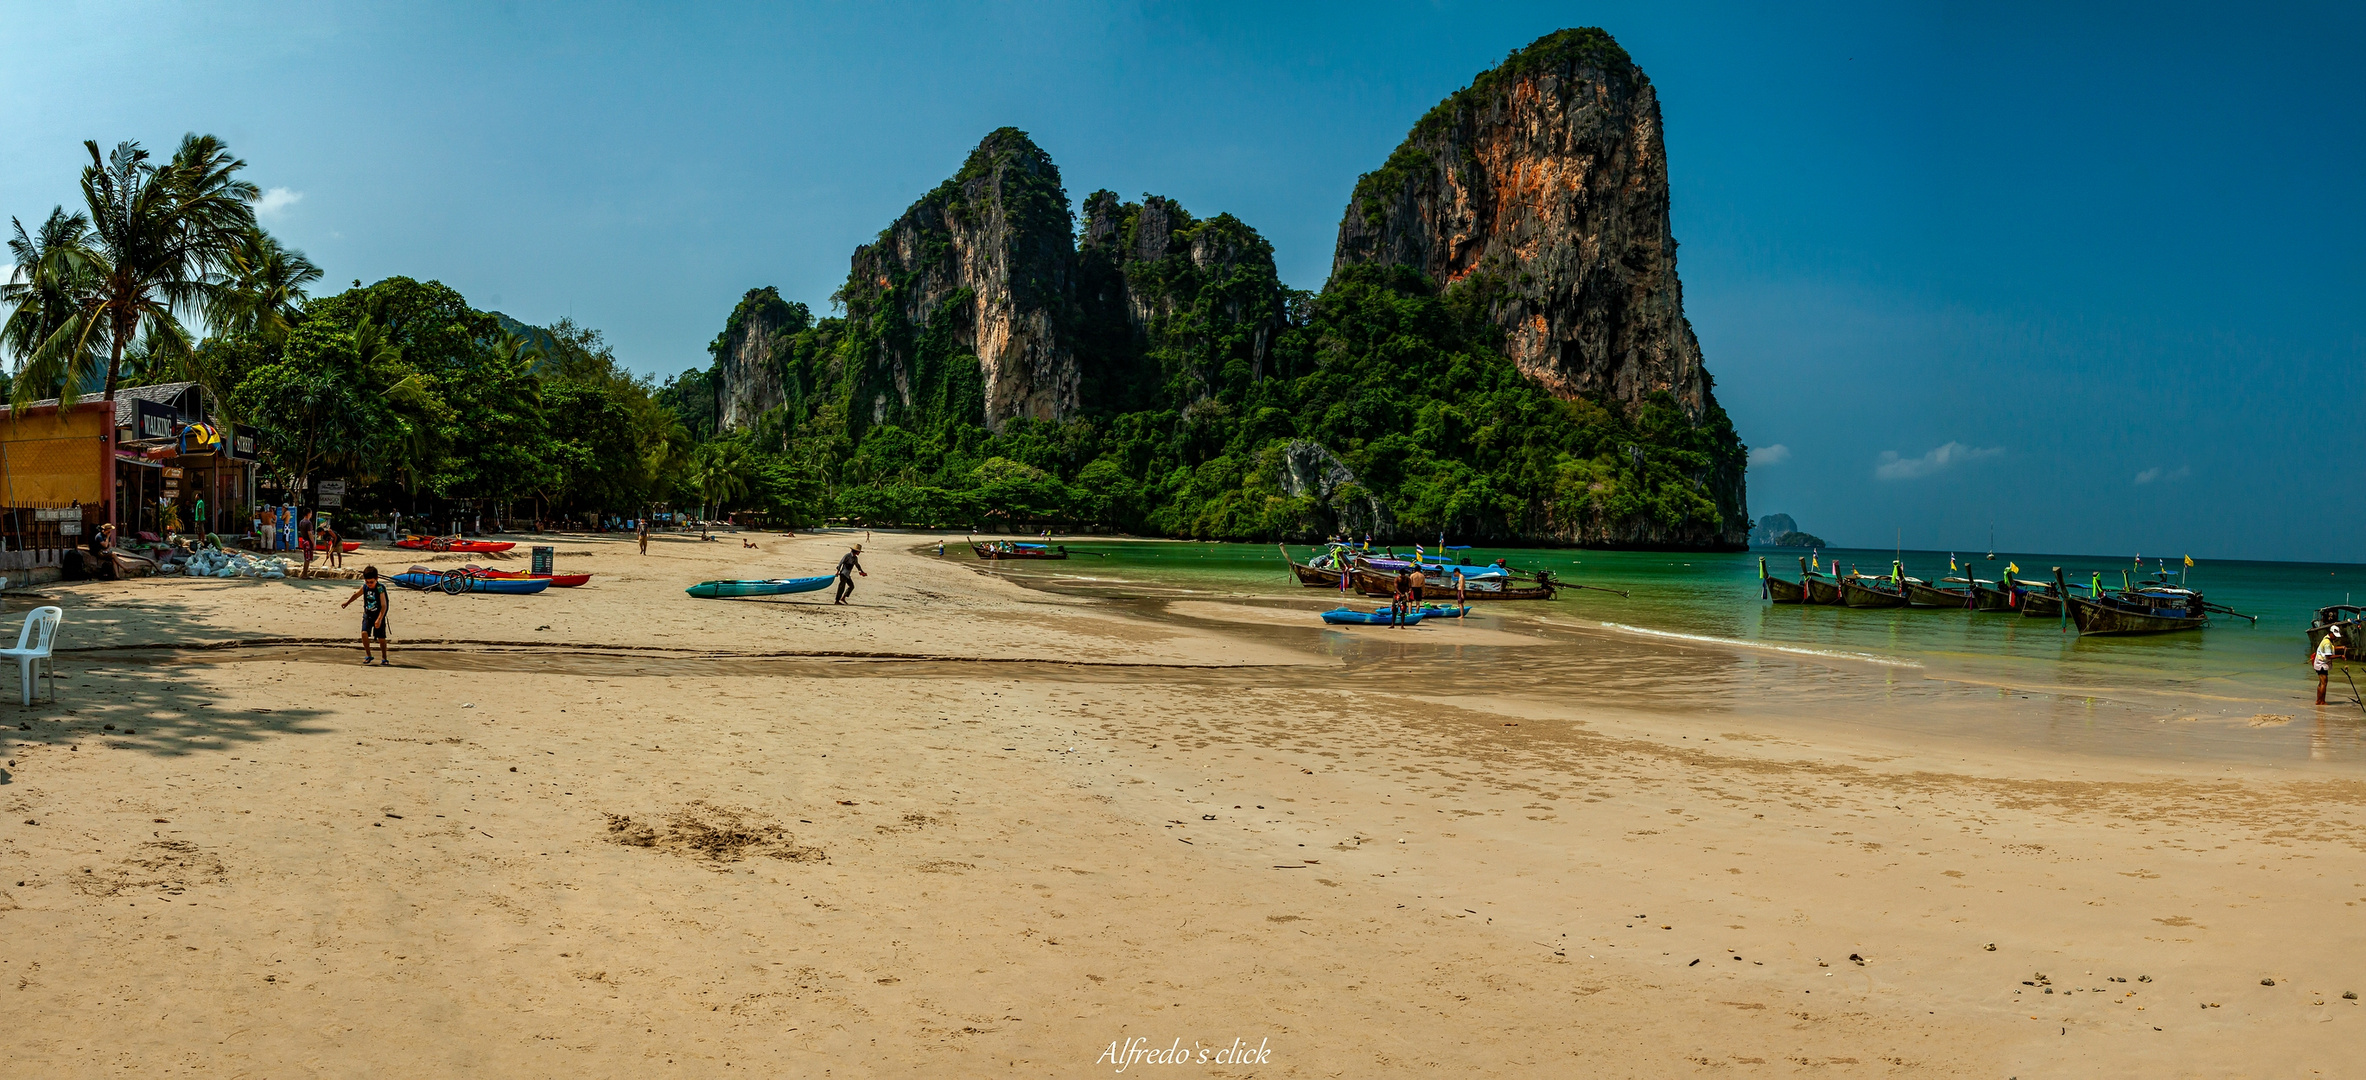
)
(124, 396)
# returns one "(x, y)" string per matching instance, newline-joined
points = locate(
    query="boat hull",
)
(2095, 618)
(424, 581)
(1858, 596)
(1370, 583)
(1785, 592)
(2037, 605)
(1820, 591)
(1352, 617)
(734, 590)
(993, 555)
(1975, 598)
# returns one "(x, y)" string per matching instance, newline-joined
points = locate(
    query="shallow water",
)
(2233, 691)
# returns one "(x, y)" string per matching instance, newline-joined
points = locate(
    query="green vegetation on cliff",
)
(1203, 377)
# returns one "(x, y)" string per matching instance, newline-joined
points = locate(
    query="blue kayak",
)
(732, 590)
(1437, 611)
(460, 583)
(1352, 617)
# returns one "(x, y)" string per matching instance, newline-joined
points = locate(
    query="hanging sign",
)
(172, 472)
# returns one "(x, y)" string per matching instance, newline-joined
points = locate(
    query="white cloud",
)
(2155, 473)
(275, 200)
(1893, 467)
(1769, 455)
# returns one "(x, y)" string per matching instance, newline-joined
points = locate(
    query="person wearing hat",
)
(2324, 658)
(851, 562)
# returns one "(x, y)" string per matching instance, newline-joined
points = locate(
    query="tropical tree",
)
(44, 284)
(159, 242)
(719, 471)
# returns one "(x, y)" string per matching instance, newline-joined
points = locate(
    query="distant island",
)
(1779, 531)
(1500, 354)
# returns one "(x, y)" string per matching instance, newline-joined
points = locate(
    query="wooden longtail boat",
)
(1859, 591)
(1974, 595)
(1313, 577)
(2154, 608)
(1820, 589)
(999, 550)
(1375, 583)
(2351, 618)
(1779, 590)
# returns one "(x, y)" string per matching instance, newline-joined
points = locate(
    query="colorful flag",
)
(2012, 568)
(1951, 562)
(2189, 560)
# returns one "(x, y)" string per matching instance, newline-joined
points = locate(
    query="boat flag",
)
(2189, 560)
(1951, 562)
(2012, 568)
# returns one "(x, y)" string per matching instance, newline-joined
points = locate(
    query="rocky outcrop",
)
(1543, 186)
(1309, 470)
(984, 262)
(748, 357)
(1181, 297)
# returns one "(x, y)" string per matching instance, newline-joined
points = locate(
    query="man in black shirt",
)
(852, 563)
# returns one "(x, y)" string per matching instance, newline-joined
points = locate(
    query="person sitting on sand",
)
(852, 561)
(372, 595)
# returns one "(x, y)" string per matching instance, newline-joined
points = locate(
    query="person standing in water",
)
(372, 595)
(2324, 659)
(849, 565)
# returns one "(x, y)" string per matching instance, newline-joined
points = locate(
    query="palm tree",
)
(160, 241)
(267, 287)
(43, 283)
(719, 471)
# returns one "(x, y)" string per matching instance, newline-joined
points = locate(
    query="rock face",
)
(1544, 186)
(1771, 526)
(1171, 302)
(985, 260)
(748, 356)
(1310, 471)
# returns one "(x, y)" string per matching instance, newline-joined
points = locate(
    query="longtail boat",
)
(1003, 549)
(2148, 607)
(1374, 583)
(1311, 576)
(1969, 594)
(1778, 590)
(2349, 618)
(1820, 589)
(1863, 591)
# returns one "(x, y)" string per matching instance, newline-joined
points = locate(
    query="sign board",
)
(70, 528)
(332, 487)
(331, 502)
(242, 446)
(172, 472)
(61, 513)
(153, 420)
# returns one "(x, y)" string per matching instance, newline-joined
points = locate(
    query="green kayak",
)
(733, 590)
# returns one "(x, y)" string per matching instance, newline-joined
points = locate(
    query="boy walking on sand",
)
(851, 562)
(643, 530)
(372, 595)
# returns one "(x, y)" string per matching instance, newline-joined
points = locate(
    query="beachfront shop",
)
(178, 468)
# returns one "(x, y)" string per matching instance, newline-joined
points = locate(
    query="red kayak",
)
(447, 543)
(557, 581)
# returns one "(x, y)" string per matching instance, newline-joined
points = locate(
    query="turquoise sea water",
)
(2231, 664)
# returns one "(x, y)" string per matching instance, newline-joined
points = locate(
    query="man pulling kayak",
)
(848, 566)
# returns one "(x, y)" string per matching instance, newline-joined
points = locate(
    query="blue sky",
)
(2093, 276)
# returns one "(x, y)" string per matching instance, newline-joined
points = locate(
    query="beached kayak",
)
(1435, 611)
(459, 583)
(1352, 617)
(732, 590)
(445, 543)
(557, 581)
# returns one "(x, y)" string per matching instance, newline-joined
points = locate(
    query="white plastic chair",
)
(33, 639)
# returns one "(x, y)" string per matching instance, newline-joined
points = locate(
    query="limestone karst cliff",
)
(1543, 187)
(1500, 354)
(984, 261)
(748, 354)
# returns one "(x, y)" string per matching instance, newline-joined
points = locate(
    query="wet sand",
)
(965, 827)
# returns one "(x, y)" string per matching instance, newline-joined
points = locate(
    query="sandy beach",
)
(963, 827)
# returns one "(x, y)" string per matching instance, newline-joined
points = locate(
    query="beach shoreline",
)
(975, 827)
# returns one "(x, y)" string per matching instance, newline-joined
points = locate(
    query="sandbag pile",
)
(233, 564)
